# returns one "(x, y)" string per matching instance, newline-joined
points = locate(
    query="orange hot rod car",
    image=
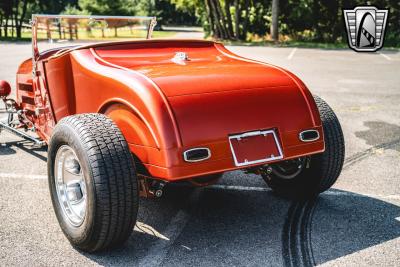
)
(123, 118)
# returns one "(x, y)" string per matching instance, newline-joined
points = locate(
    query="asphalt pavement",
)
(239, 221)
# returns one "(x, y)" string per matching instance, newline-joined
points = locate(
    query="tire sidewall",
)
(324, 168)
(65, 135)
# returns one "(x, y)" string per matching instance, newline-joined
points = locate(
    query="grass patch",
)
(14, 39)
(300, 44)
(122, 34)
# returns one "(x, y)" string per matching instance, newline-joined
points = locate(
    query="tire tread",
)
(324, 168)
(114, 178)
(333, 158)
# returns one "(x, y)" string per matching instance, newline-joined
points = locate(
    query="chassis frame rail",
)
(36, 141)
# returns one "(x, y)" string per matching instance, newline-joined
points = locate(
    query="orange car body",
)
(165, 105)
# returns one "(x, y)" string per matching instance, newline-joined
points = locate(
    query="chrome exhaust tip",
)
(309, 135)
(197, 154)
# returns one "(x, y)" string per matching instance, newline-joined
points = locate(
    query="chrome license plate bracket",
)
(255, 147)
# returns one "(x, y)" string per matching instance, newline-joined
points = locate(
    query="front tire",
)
(308, 176)
(92, 180)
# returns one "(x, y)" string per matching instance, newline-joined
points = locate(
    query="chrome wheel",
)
(70, 185)
(289, 169)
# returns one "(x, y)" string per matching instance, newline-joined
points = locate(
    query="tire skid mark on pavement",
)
(350, 161)
(296, 235)
(307, 232)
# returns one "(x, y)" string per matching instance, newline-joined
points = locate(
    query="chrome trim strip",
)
(196, 160)
(255, 133)
(57, 16)
(308, 140)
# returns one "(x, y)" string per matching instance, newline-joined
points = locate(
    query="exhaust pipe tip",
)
(197, 154)
(309, 135)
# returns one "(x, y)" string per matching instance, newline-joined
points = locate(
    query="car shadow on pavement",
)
(27, 146)
(6, 149)
(348, 223)
(219, 227)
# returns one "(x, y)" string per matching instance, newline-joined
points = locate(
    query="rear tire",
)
(97, 207)
(318, 172)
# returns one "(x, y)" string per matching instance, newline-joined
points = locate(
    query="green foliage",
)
(54, 6)
(245, 20)
(166, 12)
(74, 10)
(193, 8)
(107, 7)
(301, 20)
(322, 21)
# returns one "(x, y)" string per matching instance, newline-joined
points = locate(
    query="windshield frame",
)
(36, 17)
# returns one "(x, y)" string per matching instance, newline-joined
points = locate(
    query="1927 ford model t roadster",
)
(123, 118)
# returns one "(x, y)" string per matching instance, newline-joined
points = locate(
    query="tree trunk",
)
(12, 25)
(7, 7)
(221, 17)
(71, 37)
(317, 30)
(6, 28)
(217, 24)
(89, 31)
(20, 21)
(229, 18)
(48, 32)
(237, 20)
(76, 31)
(246, 19)
(218, 29)
(1, 25)
(59, 30)
(275, 18)
(335, 9)
(210, 19)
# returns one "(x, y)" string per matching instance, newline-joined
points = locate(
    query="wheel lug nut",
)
(269, 170)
